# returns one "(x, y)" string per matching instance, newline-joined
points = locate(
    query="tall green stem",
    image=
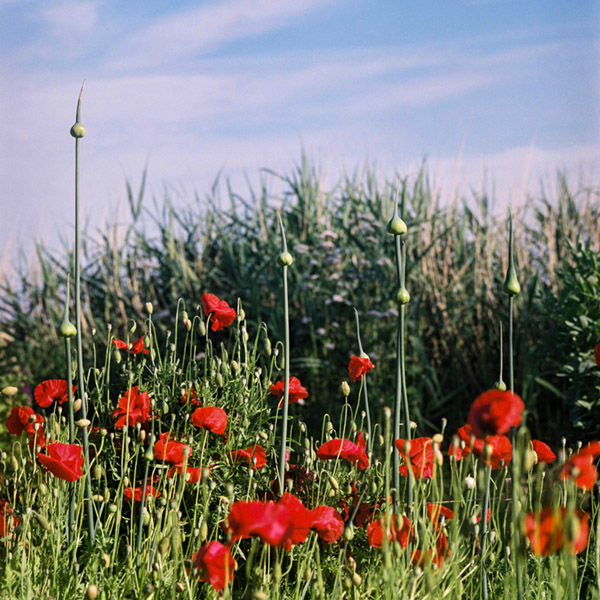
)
(285, 260)
(484, 536)
(365, 390)
(78, 131)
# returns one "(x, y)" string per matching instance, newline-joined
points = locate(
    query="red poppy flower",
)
(215, 564)
(487, 518)
(63, 460)
(254, 456)
(192, 474)
(328, 523)
(342, 448)
(500, 444)
(211, 418)
(297, 392)
(548, 531)
(359, 366)
(580, 467)
(222, 315)
(434, 556)
(193, 397)
(597, 354)
(171, 451)
(22, 418)
(436, 511)
(53, 389)
(134, 348)
(544, 454)
(7, 520)
(495, 412)
(420, 455)
(136, 494)
(399, 529)
(301, 518)
(134, 407)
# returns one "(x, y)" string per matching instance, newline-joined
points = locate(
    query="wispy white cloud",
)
(194, 31)
(69, 17)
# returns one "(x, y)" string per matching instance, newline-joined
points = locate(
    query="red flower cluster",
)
(171, 451)
(283, 524)
(297, 392)
(23, 418)
(548, 531)
(215, 564)
(359, 367)
(136, 494)
(495, 412)
(420, 456)
(580, 467)
(342, 448)
(221, 314)
(7, 520)
(254, 455)
(63, 460)
(543, 452)
(191, 474)
(433, 555)
(435, 513)
(134, 407)
(500, 445)
(134, 348)
(48, 391)
(193, 397)
(399, 528)
(210, 418)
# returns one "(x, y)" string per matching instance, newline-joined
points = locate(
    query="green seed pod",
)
(511, 286)
(201, 329)
(78, 130)
(402, 296)
(268, 348)
(42, 521)
(219, 379)
(203, 531)
(97, 472)
(349, 533)
(67, 329)
(277, 572)
(500, 385)
(112, 508)
(285, 259)
(347, 583)
(397, 226)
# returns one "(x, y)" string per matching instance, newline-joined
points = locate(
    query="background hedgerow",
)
(342, 260)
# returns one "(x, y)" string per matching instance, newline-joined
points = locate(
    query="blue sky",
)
(495, 93)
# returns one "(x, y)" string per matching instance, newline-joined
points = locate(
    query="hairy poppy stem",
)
(78, 131)
(364, 382)
(484, 536)
(285, 259)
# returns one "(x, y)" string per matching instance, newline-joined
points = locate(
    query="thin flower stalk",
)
(364, 384)
(78, 131)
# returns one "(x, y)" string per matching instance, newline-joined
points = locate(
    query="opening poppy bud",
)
(500, 385)
(187, 324)
(334, 483)
(149, 308)
(469, 482)
(438, 438)
(9, 391)
(531, 459)
(397, 226)
(241, 314)
(78, 130)
(285, 259)
(81, 423)
(402, 296)
(67, 329)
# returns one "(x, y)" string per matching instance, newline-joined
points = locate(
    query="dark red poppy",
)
(48, 391)
(495, 412)
(297, 392)
(254, 455)
(171, 451)
(192, 474)
(399, 529)
(580, 467)
(134, 348)
(543, 452)
(23, 418)
(343, 448)
(548, 531)
(420, 455)
(500, 445)
(364, 512)
(328, 523)
(597, 354)
(359, 366)
(136, 494)
(7, 521)
(134, 407)
(191, 398)
(215, 564)
(211, 418)
(433, 556)
(63, 460)
(222, 315)
(487, 518)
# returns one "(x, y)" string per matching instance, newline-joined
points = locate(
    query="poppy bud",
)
(258, 595)
(77, 404)
(78, 130)
(402, 296)
(397, 226)
(149, 308)
(500, 385)
(105, 558)
(438, 438)
(42, 521)
(187, 324)
(82, 423)
(356, 579)
(67, 329)
(347, 583)
(112, 508)
(345, 389)
(511, 283)
(97, 472)
(469, 482)
(285, 259)
(349, 533)
(9, 391)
